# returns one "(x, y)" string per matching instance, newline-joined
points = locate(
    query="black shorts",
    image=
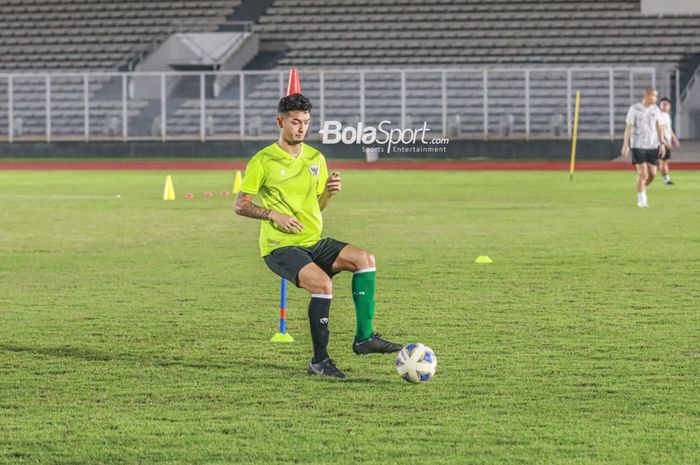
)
(645, 156)
(668, 154)
(288, 261)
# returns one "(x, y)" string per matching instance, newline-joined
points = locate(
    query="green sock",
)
(363, 296)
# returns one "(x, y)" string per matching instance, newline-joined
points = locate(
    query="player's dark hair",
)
(665, 99)
(294, 102)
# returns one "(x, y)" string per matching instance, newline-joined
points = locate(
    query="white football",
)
(416, 363)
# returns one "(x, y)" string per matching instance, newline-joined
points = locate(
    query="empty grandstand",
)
(74, 35)
(468, 32)
(101, 70)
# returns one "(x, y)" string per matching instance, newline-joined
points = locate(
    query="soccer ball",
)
(416, 363)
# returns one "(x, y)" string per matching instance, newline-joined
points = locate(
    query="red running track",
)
(339, 165)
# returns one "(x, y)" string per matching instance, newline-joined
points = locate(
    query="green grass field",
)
(135, 331)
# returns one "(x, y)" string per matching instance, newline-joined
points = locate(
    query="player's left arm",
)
(333, 186)
(662, 139)
(674, 139)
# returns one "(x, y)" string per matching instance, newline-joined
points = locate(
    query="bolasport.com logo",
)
(397, 140)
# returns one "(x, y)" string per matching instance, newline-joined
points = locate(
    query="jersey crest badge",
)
(313, 169)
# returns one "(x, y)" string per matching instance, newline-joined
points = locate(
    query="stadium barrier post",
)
(48, 108)
(403, 99)
(124, 109)
(280, 83)
(485, 78)
(241, 102)
(443, 89)
(10, 110)
(568, 102)
(163, 106)
(677, 120)
(611, 103)
(362, 96)
(527, 104)
(202, 116)
(630, 82)
(86, 108)
(321, 96)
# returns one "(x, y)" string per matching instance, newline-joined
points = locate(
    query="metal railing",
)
(691, 82)
(234, 105)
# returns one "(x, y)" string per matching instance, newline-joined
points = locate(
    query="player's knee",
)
(366, 260)
(322, 286)
(650, 176)
(326, 287)
(371, 261)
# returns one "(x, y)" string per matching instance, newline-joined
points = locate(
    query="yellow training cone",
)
(169, 193)
(483, 259)
(237, 183)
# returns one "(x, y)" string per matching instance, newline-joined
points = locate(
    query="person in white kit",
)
(670, 136)
(644, 135)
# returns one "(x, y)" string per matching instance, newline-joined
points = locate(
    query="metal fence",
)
(457, 103)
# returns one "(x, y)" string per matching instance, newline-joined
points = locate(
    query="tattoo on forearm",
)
(251, 210)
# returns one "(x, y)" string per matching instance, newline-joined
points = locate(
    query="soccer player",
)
(670, 136)
(294, 187)
(647, 141)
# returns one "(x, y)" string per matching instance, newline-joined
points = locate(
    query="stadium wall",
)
(587, 149)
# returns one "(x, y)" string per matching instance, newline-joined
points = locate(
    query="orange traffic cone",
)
(294, 87)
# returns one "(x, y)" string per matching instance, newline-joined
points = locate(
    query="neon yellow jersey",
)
(291, 186)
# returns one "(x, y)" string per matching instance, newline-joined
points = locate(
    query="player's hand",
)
(676, 142)
(333, 184)
(625, 152)
(662, 151)
(285, 222)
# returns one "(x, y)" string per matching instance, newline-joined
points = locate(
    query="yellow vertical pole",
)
(237, 183)
(573, 142)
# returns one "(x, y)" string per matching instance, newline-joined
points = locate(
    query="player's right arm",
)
(252, 181)
(246, 207)
(629, 120)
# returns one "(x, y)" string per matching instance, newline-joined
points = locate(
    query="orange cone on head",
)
(294, 87)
